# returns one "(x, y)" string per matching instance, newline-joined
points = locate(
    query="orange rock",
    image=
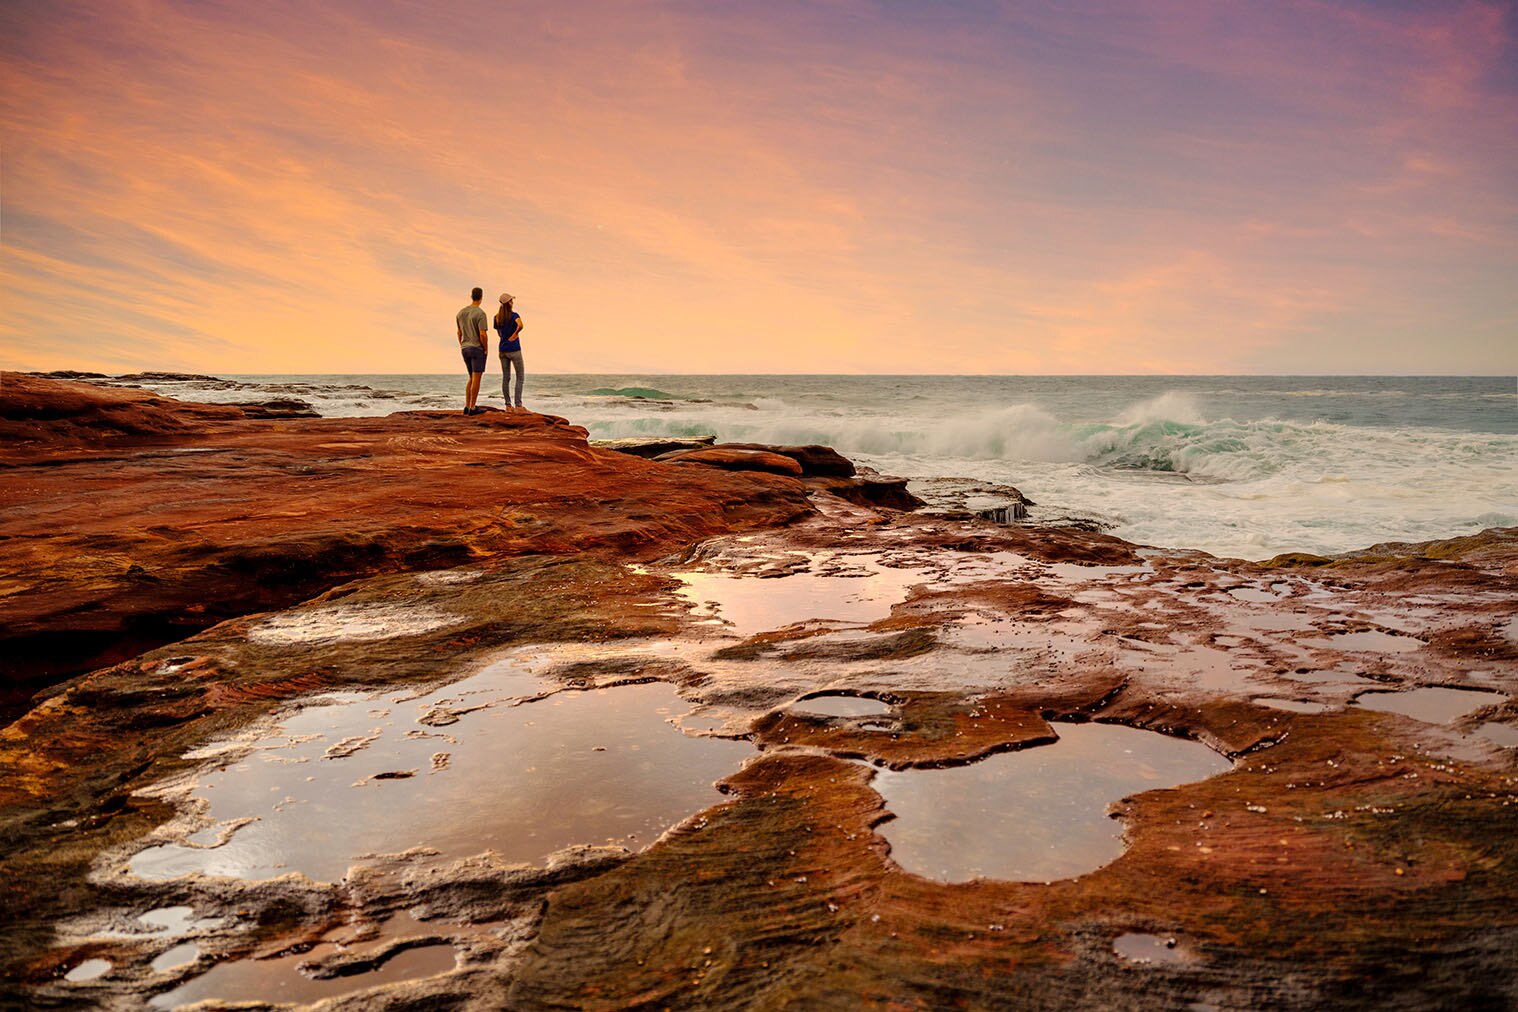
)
(134, 520)
(735, 460)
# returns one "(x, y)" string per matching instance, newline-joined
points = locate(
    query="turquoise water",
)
(1241, 466)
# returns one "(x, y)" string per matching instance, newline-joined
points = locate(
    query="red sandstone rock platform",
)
(1351, 856)
(132, 520)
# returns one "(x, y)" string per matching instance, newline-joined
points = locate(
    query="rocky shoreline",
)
(183, 581)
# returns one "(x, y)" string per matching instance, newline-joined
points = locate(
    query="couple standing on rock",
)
(474, 339)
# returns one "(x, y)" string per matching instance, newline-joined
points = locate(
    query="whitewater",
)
(1247, 467)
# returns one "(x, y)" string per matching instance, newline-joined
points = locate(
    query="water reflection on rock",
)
(1034, 815)
(90, 969)
(1433, 705)
(842, 706)
(844, 588)
(1137, 947)
(522, 778)
(1293, 705)
(281, 980)
(1370, 640)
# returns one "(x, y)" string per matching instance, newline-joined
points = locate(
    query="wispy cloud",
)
(842, 186)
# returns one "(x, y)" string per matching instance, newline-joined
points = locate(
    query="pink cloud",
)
(1167, 187)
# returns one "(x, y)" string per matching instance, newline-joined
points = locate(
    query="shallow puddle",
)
(1326, 676)
(1431, 705)
(338, 781)
(1034, 815)
(173, 920)
(1140, 948)
(163, 922)
(90, 969)
(178, 956)
(1371, 640)
(1072, 573)
(843, 706)
(751, 604)
(1504, 735)
(1272, 622)
(1252, 595)
(1293, 705)
(1193, 665)
(279, 980)
(990, 566)
(978, 632)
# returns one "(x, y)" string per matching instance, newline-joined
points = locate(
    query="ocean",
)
(1247, 467)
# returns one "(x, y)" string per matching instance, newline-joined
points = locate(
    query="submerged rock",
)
(173, 377)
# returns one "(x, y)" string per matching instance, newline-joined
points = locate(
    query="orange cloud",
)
(280, 188)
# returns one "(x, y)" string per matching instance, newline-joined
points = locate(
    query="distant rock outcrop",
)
(277, 407)
(173, 377)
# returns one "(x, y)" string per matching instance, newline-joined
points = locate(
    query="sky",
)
(841, 186)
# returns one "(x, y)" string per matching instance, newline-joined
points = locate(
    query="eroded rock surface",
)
(1349, 855)
(134, 520)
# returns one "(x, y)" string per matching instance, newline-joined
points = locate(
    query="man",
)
(471, 328)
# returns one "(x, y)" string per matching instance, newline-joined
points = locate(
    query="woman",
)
(509, 325)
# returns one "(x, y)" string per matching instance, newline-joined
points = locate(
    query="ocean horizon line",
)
(929, 376)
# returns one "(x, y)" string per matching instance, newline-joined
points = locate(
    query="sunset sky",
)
(1157, 186)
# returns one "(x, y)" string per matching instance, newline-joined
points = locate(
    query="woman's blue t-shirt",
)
(508, 331)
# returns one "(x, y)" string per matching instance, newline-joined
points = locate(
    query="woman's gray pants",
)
(507, 358)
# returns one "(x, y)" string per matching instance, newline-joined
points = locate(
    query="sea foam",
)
(1246, 466)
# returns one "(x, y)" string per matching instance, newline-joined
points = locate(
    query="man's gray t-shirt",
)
(471, 321)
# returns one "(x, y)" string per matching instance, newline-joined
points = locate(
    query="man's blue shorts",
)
(474, 359)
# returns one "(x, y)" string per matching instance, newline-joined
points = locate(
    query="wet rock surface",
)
(734, 460)
(134, 520)
(1330, 854)
(277, 407)
(878, 490)
(814, 460)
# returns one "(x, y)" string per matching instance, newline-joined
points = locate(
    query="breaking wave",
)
(1232, 465)
(1166, 434)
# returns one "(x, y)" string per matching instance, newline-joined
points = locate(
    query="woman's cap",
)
(505, 298)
